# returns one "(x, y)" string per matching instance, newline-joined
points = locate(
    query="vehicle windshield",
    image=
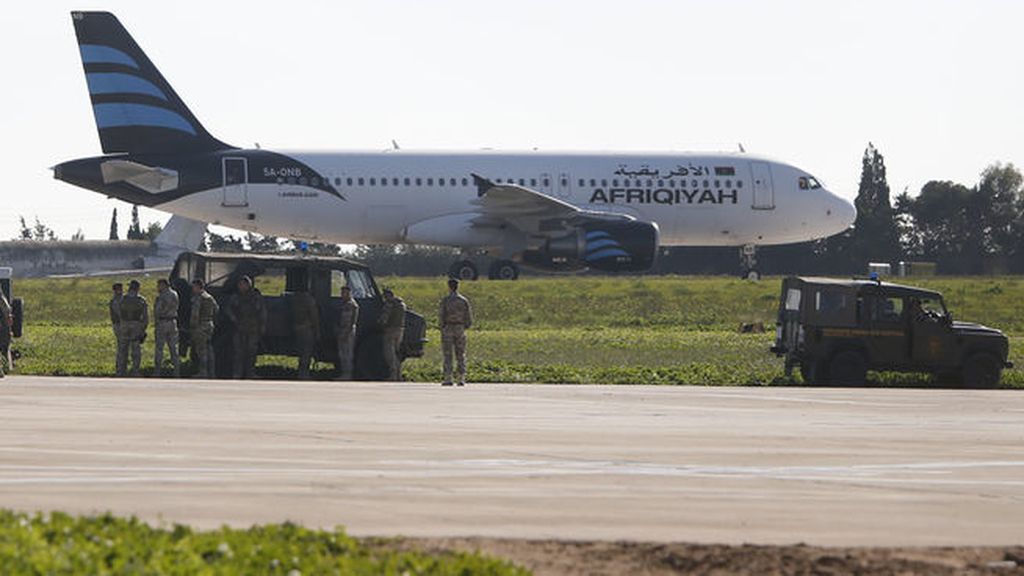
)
(927, 308)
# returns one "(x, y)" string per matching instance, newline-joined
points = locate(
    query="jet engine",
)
(611, 246)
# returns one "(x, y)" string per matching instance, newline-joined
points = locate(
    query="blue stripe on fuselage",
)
(99, 54)
(110, 115)
(117, 83)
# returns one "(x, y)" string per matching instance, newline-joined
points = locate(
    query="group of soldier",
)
(247, 314)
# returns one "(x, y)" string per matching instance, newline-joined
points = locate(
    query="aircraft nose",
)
(841, 213)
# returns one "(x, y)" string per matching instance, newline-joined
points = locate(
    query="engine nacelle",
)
(610, 246)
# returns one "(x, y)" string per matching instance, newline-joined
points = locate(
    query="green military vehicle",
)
(277, 277)
(837, 330)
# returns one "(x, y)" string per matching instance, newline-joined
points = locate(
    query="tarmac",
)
(848, 467)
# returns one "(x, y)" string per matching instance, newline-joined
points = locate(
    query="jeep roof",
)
(858, 283)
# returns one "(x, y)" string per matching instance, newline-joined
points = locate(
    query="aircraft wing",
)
(529, 210)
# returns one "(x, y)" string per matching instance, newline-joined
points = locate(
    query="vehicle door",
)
(933, 342)
(884, 317)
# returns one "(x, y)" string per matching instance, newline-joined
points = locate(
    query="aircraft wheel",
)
(753, 275)
(503, 270)
(464, 270)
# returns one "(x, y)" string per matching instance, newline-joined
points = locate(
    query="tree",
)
(262, 244)
(78, 236)
(135, 229)
(224, 243)
(875, 234)
(152, 231)
(26, 232)
(113, 226)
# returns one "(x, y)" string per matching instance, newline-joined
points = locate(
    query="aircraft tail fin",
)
(181, 234)
(136, 110)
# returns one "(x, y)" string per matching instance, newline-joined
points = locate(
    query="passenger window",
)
(373, 182)
(592, 183)
(451, 182)
(886, 309)
(440, 181)
(359, 282)
(419, 181)
(582, 183)
(835, 306)
(626, 182)
(337, 181)
(615, 182)
(361, 181)
(533, 182)
(406, 181)
(604, 183)
(348, 181)
(564, 182)
(739, 183)
(661, 183)
(465, 182)
(793, 299)
(718, 183)
(522, 182)
(649, 184)
(728, 183)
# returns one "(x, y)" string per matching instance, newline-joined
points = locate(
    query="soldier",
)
(165, 329)
(134, 320)
(248, 315)
(348, 317)
(456, 317)
(6, 328)
(392, 322)
(201, 325)
(115, 319)
(305, 326)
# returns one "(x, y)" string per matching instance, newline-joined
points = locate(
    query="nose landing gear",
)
(748, 262)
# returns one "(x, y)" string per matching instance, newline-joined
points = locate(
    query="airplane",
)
(564, 211)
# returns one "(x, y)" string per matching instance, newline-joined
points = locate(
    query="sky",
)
(937, 86)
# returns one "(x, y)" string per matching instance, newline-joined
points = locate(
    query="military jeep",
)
(837, 330)
(277, 277)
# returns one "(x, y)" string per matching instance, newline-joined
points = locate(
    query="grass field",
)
(658, 330)
(62, 544)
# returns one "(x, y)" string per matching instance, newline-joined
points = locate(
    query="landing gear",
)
(463, 270)
(503, 270)
(748, 261)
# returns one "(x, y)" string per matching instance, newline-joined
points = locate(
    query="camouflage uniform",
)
(392, 321)
(6, 325)
(134, 314)
(306, 328)
(201, 324)
(456, 315)
(248, 314)
(165, 330)
(115, 323)
(348, 317)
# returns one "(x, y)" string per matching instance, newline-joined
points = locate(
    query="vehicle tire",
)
(503, 270)
(847, 368)
(18, 317)
(463, 270)
(369, 358)
(811, 372)
(982, 370)
(752, 275)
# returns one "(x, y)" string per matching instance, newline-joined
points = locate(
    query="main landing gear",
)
(498, 270)
(748, 262)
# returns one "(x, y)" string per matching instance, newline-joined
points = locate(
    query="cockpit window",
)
(808, 183)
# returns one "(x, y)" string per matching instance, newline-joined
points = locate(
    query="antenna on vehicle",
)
(742, 151)
(257, 145)
(394, 144)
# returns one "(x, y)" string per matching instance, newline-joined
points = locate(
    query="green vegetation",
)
(648, 330)
(60, 544)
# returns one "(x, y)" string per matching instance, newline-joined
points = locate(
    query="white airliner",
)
(557, 211)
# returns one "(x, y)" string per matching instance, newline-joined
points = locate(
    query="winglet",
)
(483, 185)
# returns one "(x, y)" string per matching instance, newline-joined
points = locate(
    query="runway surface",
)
(728, 465)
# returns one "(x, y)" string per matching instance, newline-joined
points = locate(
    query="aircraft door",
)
(764, 191)
(563, 187)
(236, 182)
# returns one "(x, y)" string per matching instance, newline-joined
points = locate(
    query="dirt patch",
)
(550, 557)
